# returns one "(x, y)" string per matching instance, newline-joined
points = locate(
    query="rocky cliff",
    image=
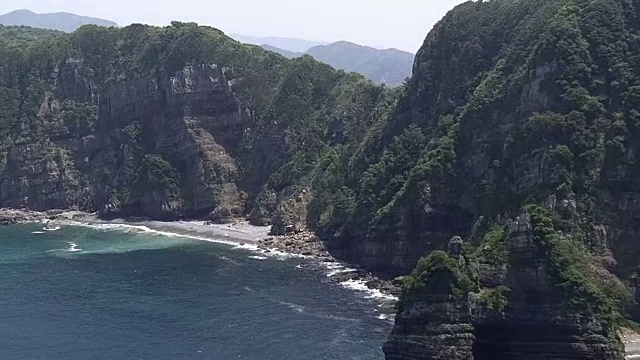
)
(169, 132)
(142, 146)
(521, 304)
(546, 118)
(512, 105)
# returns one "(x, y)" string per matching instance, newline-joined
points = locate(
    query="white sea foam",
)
(73, 247)
(273, 253)
(339, 269)
(280, 255)
(250, 247)
(228, 260)
(334, 267)
(141, 229)
(360, 285)
(298, 308)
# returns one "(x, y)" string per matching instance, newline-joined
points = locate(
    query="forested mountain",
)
(55, 21)
(387, 66)
(168, 122)
(508, 160)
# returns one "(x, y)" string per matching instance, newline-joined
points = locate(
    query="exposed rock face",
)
(435, 328)
(420, 230)
(512, 103)
(190, 121)
(516, 312)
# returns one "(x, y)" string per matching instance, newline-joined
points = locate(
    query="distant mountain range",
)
(56, 21)
(286, 53)
(387, 66)
(294, 45)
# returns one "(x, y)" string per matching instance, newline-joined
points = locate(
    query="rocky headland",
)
(517, 136)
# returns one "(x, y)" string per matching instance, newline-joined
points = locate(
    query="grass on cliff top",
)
(493, 247)
(437, 273)
(573, 273)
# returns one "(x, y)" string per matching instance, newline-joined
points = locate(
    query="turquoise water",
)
(82, 293)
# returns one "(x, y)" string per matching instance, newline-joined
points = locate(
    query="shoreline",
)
(307, 244)
(239, 233)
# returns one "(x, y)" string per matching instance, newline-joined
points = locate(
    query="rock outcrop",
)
(189, 123)
(512, 104)
(514, 309)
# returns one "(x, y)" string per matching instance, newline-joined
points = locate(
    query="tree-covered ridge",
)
(539, 102)
(511, 103)
(106, 82)
(12, 36)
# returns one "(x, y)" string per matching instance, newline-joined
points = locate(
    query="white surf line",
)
(147, 230)
(337, 268)
(361, 285)
(249, 245)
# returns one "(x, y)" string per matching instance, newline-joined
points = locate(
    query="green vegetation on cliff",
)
(438, 273)
(573, 271)
(260, 123)
(511, 103)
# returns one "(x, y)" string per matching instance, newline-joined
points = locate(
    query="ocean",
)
(103, 293)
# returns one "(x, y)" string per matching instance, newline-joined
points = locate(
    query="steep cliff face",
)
(171, 122)
(511, 104)
(519, 307)
(156, 147)
(546, 116)
(178, 132)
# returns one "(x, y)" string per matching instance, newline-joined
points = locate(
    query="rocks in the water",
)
(13, 216)
(308, 244)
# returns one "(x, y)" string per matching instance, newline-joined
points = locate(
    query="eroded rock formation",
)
(460, 306)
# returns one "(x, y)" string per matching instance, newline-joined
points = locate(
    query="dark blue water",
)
(140, 296)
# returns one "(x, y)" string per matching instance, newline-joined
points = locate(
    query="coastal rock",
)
(11, 216)
(187, 123)
(309, 245)
(516, 313)
(511, 104)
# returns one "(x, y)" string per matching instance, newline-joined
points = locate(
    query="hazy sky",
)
(388, 23)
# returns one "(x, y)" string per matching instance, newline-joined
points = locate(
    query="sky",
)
(401, 24)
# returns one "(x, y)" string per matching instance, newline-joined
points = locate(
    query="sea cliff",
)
(516, 135)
